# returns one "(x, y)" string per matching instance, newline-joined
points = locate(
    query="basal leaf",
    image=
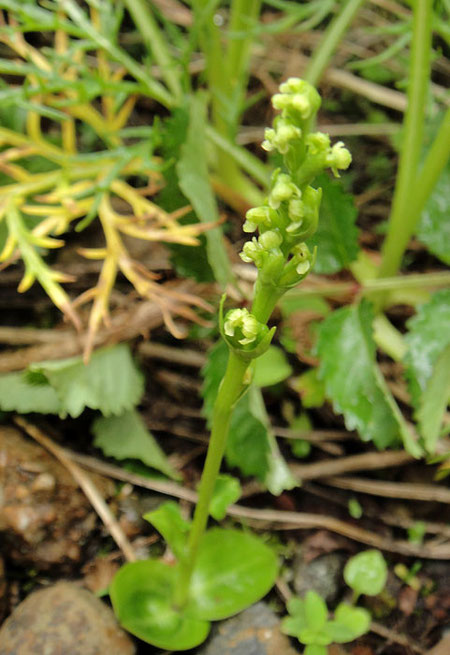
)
(337, 236)
(271, 368)
(174, 528)
(434, 401)
(428, 336)
(110, 382)
(127, 437)
(434, 226)
(233, 570)
(349, 624)
(142, 597)
(227, 490)
(353, 380)
(194, 181)
(17, 394)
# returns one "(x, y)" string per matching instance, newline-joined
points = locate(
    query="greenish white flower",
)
(270, 239)
(297, 96)
(282, 136)
(255, 217)
(239, 322)
(339, 158)
(283, 189)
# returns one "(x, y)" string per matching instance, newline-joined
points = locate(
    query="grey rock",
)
(323, 574)
(63, 620)
(255, 631)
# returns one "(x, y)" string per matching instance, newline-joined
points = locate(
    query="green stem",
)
(155, 43)
(229, 392)
(265, 298)
(402, 220)
(330, 40)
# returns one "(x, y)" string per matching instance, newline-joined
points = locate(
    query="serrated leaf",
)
(354, 382)
(110, 382)
(194, 181)
(17, 394)
(251, 446)
(271, 368)
(428, 336)
(171, 525)
(227, 490)
(337, 236)
(434, 226)
(434, 401)
(127, 437)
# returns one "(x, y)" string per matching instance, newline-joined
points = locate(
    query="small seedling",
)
(309, 622)
(220, 572)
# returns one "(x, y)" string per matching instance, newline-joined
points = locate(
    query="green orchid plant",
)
(219, 572)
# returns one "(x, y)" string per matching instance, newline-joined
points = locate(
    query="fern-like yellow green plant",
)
(74, 89)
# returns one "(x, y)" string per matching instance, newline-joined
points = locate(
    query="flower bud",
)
(339, 158)
(245, 335)
(270, 239)
(283, 189)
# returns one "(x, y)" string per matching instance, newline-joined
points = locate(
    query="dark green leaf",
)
(427, 338)
(127, 437)
(272, 367)
(354, 382)
(337, 236)
(174, 528)
(434, 401)
(17, 394)
(227, 490)
(366, 573)
(233, 571)
(142, 597)
(434, 226)
(194, 181)
(110, 382)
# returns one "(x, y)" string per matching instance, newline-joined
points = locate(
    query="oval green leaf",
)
(141, 594)
(233, 571)
(366, 573)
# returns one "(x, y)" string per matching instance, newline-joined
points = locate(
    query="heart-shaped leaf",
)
(141, 594)
(233, 570)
